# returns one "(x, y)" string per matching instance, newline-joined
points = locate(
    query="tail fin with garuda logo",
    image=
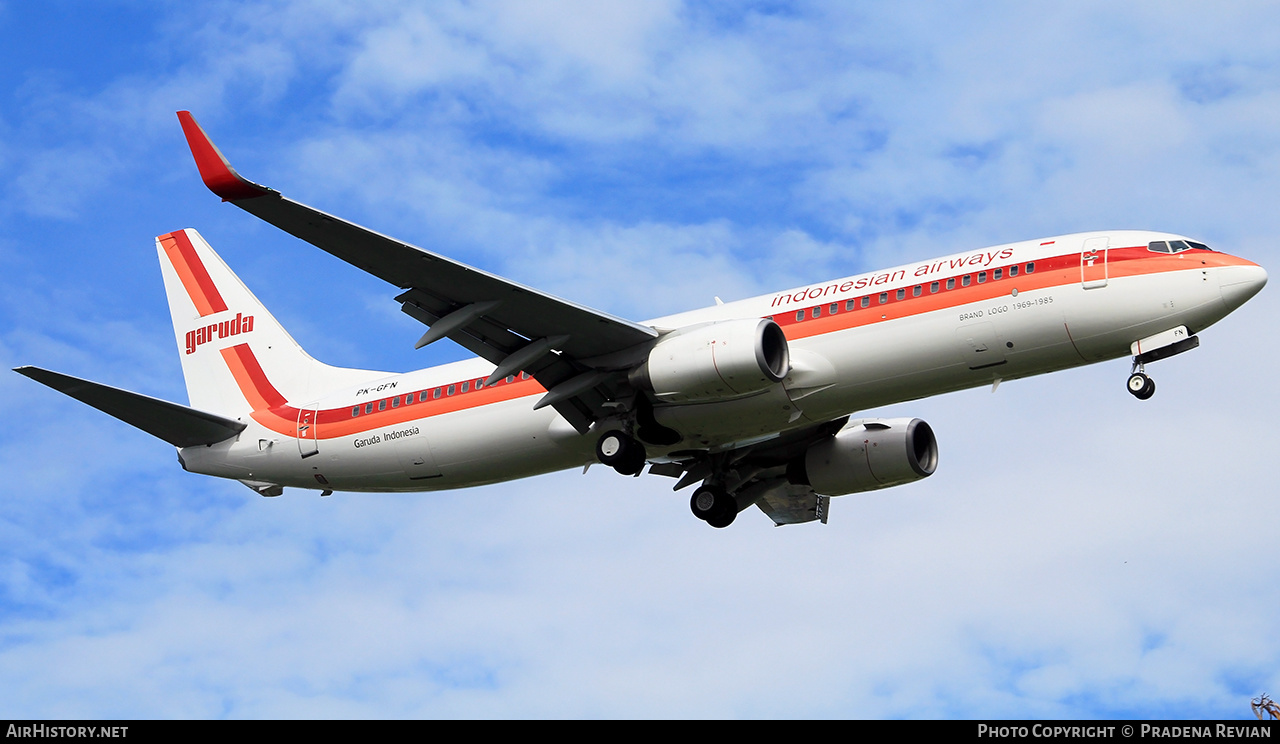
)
(236, 358)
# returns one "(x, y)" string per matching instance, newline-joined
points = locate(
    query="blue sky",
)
(1078, 554)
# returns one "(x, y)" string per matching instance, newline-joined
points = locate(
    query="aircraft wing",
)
(176, 424)
(514, 326)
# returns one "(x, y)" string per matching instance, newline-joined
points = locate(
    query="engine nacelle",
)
(715, 361)
(866, 455)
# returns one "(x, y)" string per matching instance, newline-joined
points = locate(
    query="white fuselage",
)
(856, 343)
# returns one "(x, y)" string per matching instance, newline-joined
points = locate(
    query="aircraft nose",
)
(1239, 283)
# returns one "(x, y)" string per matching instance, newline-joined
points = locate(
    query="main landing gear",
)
(711, 503)
(621, 452)
(714, 505)
(1141, 386)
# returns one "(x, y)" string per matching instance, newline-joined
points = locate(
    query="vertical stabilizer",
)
(235, 356)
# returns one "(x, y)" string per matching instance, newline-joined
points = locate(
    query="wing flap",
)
(794, 505)
(176, 424)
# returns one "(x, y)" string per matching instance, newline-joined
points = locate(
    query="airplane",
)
(753, 401)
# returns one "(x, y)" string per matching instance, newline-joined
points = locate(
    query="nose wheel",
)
(621, 452)
(1141, 386)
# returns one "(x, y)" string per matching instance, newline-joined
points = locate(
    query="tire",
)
(704, 500)
(613, 447)
(714, 506)
(723, 519)
(1138, 384)
(1148, 390)
(633, 460)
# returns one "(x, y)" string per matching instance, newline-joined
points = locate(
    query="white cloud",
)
(1078, 554)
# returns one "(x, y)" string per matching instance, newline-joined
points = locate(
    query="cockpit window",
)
(1175, 246)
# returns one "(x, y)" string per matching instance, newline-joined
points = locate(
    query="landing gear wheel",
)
(611, 447)
(635, 461)
(714, 506)
(1141, 386)
(723, 519)
(620, 452)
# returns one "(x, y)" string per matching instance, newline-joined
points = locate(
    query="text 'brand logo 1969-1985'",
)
(224, 329)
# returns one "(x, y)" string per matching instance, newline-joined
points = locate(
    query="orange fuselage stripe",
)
(195, 278)
(272, 410)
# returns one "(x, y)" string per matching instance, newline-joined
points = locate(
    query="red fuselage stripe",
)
(273, 411)
(195, 278)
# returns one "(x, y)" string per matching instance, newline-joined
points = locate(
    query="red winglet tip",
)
(216, 172)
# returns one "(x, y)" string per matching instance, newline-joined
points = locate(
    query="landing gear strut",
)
(714, 505)
(621, 452)
(1141, 386)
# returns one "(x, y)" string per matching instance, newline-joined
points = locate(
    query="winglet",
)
(217, 173)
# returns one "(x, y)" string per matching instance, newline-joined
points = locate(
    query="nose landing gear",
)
(1141, 386)
(1152, 349)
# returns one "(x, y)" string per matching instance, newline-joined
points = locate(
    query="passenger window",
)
(884, 297)
(866, 301)
(422, 397)
(408, 399)
(982, 277)
(916, 292)
(964, 280)
(524, 375)
(479, 384)
(382, 405)
(933, 288)
(435, 393)
(951, 283)
(466, 386)
(999, 273)
(1031, 267)
(835, 306)
(849, 305)
(902, 293)
(1013, 271)
(395, 402)
(355, 411)
(449, 390)
(815, 312)
(368, 407)
(799, 315)
(511, 379)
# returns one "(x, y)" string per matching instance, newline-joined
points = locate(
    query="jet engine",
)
(866, 455)
(715, 361)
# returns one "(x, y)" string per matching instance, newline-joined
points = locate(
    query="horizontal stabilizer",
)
(176, 424)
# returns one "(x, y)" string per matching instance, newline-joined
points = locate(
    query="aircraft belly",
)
(503, 441)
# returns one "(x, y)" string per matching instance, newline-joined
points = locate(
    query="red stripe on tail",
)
(195, 277)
